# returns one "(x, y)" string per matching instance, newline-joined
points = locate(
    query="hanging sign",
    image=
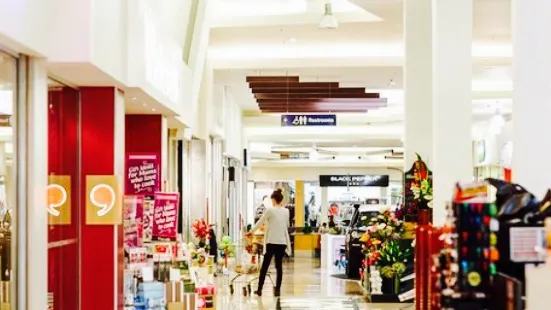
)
(103, 200)
(298, 120)
(133, 221)
(59, 199)
(143, 174)
(367, 180)
(165, 215)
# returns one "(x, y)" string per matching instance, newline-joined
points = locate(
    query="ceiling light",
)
(328, 20)
(153, 110)
(144, 104)
(496, 124)
(314, 155)
(134, 98)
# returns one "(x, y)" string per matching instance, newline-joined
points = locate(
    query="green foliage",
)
(307, 229)
(391, 253)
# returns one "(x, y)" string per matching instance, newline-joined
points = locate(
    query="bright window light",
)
(248, 8)
(337, 50)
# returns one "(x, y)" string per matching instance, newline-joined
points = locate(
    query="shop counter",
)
(330, 250)
(305, 244)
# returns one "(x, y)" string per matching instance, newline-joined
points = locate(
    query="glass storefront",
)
(8, 180)
(63, 195)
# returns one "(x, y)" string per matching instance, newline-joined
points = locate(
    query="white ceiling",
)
(365, 51)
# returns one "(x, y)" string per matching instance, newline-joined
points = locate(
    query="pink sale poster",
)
(143, 174)
(165, 215)
(133, 221)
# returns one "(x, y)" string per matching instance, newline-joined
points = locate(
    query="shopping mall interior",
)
(160, 154)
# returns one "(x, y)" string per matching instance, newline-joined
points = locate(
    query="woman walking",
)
(276, 240)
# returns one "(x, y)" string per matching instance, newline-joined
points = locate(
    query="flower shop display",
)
(201, 232)
(385, 252)
(418, 191)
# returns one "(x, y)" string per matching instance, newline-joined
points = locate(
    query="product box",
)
(188, 303)
(206, 297)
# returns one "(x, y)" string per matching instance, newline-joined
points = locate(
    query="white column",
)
(531, 109)
(31, 220)
(452, 104)
(418, 81)
(324, 205)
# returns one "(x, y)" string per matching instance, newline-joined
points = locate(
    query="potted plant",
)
(392, 260)
(307, 229)
(391, 275)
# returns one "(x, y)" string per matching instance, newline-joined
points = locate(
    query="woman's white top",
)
(276, 220)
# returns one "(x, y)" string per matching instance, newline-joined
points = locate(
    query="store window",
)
(8, 207)
(63, 196)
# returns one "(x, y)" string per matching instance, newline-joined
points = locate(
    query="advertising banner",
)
(143, 174)
(133, 221)
(165, 215)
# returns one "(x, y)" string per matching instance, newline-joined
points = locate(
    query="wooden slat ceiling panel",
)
(286, 94)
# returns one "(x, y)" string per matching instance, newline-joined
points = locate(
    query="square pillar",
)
(531, 109)
(452, 25)
(102, 153)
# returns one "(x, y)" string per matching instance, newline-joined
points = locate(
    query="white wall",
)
(313, 173)
(233, 126)
(24, 25)
(198, 191)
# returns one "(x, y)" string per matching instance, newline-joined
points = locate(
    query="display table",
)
(305, 244)
(330, 247)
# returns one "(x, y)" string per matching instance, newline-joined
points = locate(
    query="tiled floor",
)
(305, 286)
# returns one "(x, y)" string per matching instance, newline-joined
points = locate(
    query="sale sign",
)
(143, 174)
(133, 221)
(165, 215)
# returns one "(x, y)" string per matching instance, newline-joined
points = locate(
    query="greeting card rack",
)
(473, 268)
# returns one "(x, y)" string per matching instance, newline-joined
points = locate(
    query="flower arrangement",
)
(201, 232)
(382, 229)
(421, 187)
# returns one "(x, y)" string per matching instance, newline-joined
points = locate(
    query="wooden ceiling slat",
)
(316, 110)
(317, 96)
(308, 90)
(269, 79)
(328, 100)
(292, 84)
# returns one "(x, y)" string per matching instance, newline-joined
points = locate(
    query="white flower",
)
(429, 204)
(381, 226)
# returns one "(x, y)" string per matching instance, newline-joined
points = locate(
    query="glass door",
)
(63, 196)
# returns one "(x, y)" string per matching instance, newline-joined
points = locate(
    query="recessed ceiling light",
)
(153, 110)
(144, 104)
(134, 98)
(292, 40)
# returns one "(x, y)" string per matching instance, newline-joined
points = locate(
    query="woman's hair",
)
(277, 195)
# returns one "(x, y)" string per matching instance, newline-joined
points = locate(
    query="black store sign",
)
(354, 180)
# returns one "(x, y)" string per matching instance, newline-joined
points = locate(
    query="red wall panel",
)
(143, 134)
(99, 247)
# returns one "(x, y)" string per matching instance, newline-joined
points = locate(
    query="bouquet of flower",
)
(382, 229)
(201, 231)
(421, 187)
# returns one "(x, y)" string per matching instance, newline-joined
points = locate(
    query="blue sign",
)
(292, 120)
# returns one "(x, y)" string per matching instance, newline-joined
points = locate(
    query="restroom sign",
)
(300, 120)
